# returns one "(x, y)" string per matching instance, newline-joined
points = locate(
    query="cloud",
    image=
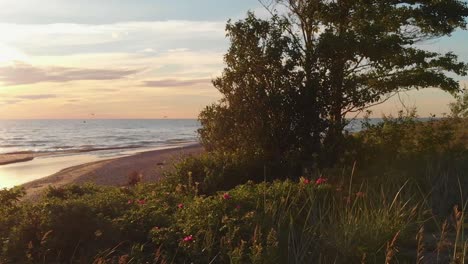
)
(179, 50)
(148, 50)
(37, 96)
(29, 97)
(10, 101)
(91, 12)
(21, 73)
(105, 90)
(175, 83)
(130, 37)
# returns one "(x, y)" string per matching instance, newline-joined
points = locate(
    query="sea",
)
(71, 136)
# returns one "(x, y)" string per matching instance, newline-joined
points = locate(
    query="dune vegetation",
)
(398, 195)
(281, 181)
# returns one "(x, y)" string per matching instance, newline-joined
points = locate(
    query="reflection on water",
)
(19, 173)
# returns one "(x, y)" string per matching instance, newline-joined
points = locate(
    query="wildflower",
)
(188, 239)
(156, 228)
(129, 202)
(304, 180)
(320, 181)
(238, 207)
(226, 196)
(180, 206)
(347, 199)
(141, 202)
(360, 194)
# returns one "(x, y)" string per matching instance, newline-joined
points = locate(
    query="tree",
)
(459, 108)
(291, 80)
(260, 110)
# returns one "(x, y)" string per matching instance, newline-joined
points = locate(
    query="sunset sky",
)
(133, 59)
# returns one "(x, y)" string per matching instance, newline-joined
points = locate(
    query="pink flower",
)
(320, 181)
(141, 202)
(306, 181)
(226, 196)
(347, 199)
(180, 206)
(188, 239)
(360, 194)
(238, 207)
(129, 202)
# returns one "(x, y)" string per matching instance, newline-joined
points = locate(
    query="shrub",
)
(215, 171)
(277, 222)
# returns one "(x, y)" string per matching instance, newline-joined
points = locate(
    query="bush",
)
(275, 222)
(216, 171)
(433, 154)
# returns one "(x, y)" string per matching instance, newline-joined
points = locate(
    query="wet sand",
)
(15, 158)
(114, 172)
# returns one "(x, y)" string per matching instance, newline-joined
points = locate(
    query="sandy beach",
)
(114, 172)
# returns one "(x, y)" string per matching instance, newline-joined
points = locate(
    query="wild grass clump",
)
(277, 222)
(216, 171)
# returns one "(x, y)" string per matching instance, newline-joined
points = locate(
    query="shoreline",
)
(24, 156)
(114, 172)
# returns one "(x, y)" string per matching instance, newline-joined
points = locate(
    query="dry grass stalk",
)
(421, 248)
(391, 249)
(443, 244)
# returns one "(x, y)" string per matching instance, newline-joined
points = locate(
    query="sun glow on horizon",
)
(10, 55)
(66, 59)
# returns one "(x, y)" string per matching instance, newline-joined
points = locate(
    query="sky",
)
(134, 59)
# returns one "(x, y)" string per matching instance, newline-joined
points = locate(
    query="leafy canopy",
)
(291, 80)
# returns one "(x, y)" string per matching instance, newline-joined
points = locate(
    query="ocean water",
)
(88, 135)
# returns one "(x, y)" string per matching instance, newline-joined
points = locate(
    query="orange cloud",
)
(21, 73)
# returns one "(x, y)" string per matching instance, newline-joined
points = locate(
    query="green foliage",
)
(432, 154)
(405, 140)
(290, 80)
(459, 108)
(215, 171)
(257, 113)
(186, 219)
(8, 198)
(253, 223)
